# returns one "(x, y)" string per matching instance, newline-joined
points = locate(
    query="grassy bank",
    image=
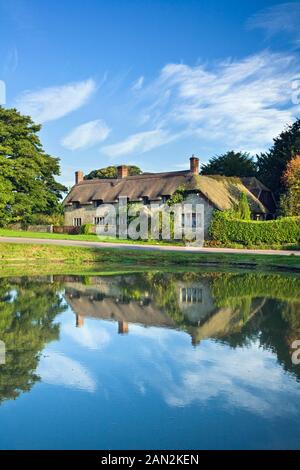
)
(51, 257)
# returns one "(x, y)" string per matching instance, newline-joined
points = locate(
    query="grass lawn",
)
(88, 238)
(95, 238)
(51, 257)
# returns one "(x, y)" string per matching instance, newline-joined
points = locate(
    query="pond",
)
(150, 360)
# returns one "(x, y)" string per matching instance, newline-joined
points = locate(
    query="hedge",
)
(251, 232)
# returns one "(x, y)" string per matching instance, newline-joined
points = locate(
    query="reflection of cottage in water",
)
(104, 299)
(119, 299)
(195, 300)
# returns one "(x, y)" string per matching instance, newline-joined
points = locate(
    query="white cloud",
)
(238, 375)
(247, 378)
(90, 337)
(60, 370)
(240, 104)
(86, 135)
(275, 19)
(138, 84)
(140, 142)
(49, 104)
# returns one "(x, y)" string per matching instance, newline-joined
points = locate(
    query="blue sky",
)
(151, 82)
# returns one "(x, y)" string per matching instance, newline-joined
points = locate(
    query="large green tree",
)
(230, 164)
(27, 184)
(272, 164)
(112, 172)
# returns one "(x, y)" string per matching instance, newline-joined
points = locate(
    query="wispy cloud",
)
(49, 104)
(91, 337)
(140, 142)
(242, 104)
(86, 135)
(284, 17)
(137, 85)
(60, 370)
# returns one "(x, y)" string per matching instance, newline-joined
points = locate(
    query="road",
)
(135, 246)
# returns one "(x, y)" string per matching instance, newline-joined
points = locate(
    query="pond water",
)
(185, 360)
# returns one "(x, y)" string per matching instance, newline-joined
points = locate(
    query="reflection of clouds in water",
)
(152, 332)
(90, 336)
(248, 377)
(57, 369)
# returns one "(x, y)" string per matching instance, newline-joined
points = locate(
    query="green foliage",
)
(28, 310)
(243, 209)
(229, 288)
(85, 229)
(272, 164)
(290, 200)
(178, 196)
(112, 172)
(27, 183)
(226, 229)
(6, 198)
(230, 164)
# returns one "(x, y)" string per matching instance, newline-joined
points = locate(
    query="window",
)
(76, 205)
(191, 295)
(77, 221)
(99, 220)
(165, 199)
(98, 203)
(192, 220)
(145, 200)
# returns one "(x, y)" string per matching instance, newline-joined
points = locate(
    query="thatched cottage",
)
(215, 192)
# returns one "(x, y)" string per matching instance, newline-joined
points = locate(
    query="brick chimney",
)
(78, 176)
(194, 165)
(123, 328)
(122, 171)
(79, 321)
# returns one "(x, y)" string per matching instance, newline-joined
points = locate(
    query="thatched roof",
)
(261, 191)
(222, 192)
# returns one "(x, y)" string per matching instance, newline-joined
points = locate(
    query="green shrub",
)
(226, 229)
(244, 211)
(85, 229)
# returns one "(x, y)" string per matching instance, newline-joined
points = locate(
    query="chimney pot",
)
(194, 165)
(122, 171)
(78, 176)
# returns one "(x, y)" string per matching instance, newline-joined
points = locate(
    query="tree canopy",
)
(290, 200)
(112, 172)
(27, 184)
(230, 164)
(272, 164)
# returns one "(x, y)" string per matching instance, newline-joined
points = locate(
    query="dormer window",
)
(98, 203)
(146, 200)
(165, 199)
(76, 205)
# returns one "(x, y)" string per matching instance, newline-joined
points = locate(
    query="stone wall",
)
(86, 213)
(32, 228)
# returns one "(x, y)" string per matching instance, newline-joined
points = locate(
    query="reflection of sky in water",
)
(163, 360)
(151, 388)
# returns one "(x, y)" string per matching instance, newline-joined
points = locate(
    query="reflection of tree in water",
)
(275, 327)
(27, 311)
